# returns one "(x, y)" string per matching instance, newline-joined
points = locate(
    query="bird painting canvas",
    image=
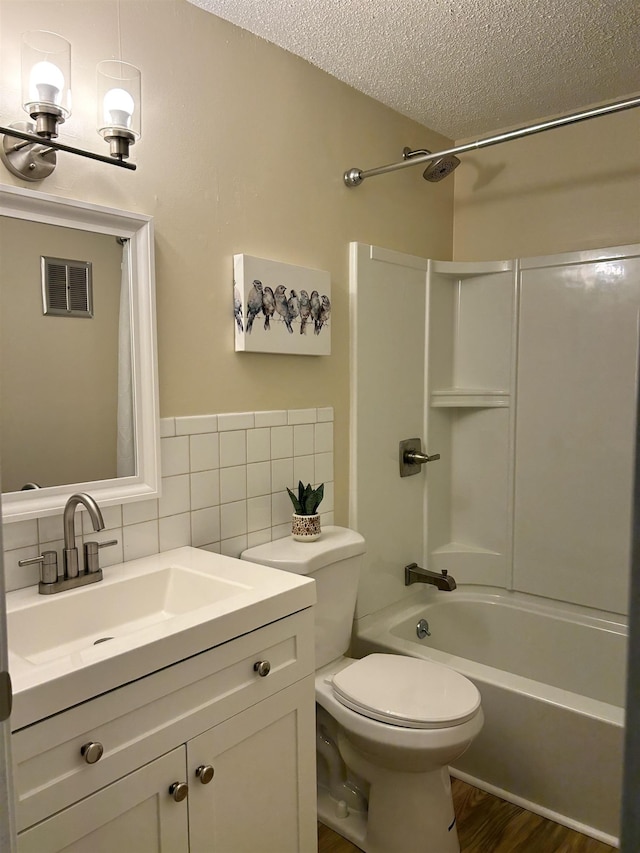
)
(280, 308)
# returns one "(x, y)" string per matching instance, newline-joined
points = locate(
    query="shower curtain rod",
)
(354, 177)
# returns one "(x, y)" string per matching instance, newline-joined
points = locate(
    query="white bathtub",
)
(552, 684)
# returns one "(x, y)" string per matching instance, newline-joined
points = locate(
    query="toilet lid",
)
(407, 692)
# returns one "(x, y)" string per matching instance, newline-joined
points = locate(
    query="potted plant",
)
(305, 524)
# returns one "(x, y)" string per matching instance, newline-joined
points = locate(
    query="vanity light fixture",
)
(29, 148)
(119, 105)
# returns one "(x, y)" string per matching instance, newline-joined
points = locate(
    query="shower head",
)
(437, 169)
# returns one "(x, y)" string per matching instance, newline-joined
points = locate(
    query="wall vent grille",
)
(67, 288)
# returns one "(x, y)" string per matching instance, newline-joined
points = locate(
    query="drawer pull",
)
(179, 791)
(205, 773)
(92, 752)
(262, 667)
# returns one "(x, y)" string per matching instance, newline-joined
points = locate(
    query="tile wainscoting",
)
(224, 480)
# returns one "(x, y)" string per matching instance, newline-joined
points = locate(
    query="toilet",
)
(387, 726)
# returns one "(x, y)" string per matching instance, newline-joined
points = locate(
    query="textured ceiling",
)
(464, 68)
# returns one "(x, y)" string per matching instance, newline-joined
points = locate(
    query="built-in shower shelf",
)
(477, 398)
(462, 548)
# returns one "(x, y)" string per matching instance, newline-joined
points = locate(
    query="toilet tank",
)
(334, 562)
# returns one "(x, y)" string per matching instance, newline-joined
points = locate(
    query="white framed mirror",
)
(78, 389)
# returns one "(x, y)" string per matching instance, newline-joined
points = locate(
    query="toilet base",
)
(352, 825)
(403, 822)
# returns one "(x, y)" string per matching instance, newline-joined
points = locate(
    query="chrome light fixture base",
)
(31, 161)
(119, 141)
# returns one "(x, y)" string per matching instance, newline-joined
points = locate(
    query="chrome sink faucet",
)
(50, 582)
(70, 553)
(413, 573)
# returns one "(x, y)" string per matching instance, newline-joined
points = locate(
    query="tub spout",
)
(413, 573)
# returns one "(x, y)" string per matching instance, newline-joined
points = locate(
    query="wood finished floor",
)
(487, 824)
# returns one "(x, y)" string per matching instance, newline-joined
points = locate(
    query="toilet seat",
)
(407, 692)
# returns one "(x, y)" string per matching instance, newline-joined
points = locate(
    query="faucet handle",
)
(48, 566)
(91, 549)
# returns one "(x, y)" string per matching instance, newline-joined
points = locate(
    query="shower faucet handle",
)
(412, 457)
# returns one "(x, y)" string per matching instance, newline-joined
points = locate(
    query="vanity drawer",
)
(149, 717)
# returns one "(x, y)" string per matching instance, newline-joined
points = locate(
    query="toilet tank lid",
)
(304, 558)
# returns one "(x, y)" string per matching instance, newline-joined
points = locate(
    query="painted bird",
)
(237, 308)
(254, 303)
(293, 305)
(316, 308)
(325, 313)
(282, 307)
(268, 306)
(305, 309)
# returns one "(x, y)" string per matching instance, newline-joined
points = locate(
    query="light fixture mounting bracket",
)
(31, 161)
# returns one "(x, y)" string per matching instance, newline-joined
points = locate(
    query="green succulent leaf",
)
(308, 499)
(297, 506)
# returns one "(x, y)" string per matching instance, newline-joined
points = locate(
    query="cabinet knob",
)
(205, 773)
(179, 791)
(262, 667)
(92, 752)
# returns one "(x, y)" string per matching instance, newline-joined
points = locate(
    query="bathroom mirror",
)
(78, 388)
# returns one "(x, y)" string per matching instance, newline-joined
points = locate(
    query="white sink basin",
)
(56, 626)
(145, 615)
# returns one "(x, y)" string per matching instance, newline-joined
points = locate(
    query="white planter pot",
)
(305, 528)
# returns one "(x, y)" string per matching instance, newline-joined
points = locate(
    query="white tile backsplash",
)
(323, 438)
(205, 489)
(196, 424)
(233, 484)
(140, 540)
(174, 455)
(21, 534)
(205, 526)
(242, 420)
(269, 419)
(258, 479)
(175, 531)
(281, 474)
(205, 452)
(259, 513)
(233, 448)
(167, 427)
(304, 469)
(136, 513)
(302, 416)
(233, 519)
(281, 442)
(258, 445)
(325, 414)
(303, 439)
(176, 495)
(224, 480)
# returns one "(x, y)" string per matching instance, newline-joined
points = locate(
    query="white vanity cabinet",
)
(253, 734)
(132, 814)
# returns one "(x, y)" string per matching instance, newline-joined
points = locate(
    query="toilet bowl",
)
(388, 726)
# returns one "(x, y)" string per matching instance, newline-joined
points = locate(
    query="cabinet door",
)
(263, 792)
(137, 813)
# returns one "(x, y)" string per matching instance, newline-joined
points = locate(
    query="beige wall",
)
(58, 375)
(243, 150)
(576, 187)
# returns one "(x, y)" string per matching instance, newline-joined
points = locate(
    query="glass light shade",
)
(119, 100)
(46, 74)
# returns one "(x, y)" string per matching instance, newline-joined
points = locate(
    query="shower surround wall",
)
(224, 480)
(528, 394)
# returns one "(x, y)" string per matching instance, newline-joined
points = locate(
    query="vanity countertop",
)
(145, 615)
